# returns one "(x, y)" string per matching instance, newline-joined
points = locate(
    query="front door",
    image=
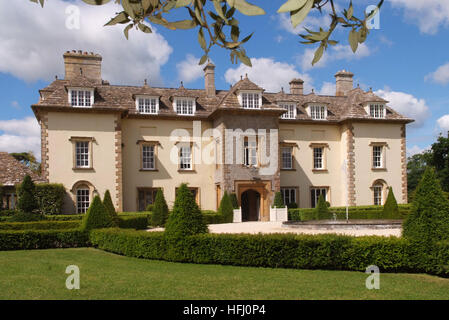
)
(250, 205)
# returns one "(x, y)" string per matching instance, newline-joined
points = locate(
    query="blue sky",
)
(405, 61)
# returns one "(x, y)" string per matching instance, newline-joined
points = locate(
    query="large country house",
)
(133, 140)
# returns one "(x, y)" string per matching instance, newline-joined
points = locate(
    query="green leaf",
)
(144, 28)
(243, 58)
(182, 24)
(235, 33)
(40, 1)
(122, 17)
(318, 54)
(247, 37)
(203, 59)
(94, 2)
(353, 40)
(146, 4)
(362, 34)
(183, 3)
(332, 42)
(128, 27)
(292, 5)
(219, 10)
(298, 16)
(230, 13)
(247, 8)
(128, 9)
(350, 11)
(201, 39)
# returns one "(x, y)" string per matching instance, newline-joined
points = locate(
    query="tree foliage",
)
(160, 210)
(107, 202)
(322, 209)
(429, 220)
(391, 209)
(28, 159)
(278, 201)
(234, 201)
(217, 24)
(27, 201)
(97, 216)
(186, 218)
(226, 210)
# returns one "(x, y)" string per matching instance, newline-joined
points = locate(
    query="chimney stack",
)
(209, 79)
(343, 82)
(82, 63)
(297, 86)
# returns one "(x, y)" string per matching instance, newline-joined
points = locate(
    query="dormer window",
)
(377, 111)
(317, 112)
(250, 100)
(147, 105)
(79, 97)
(184, 106)
(291, 110)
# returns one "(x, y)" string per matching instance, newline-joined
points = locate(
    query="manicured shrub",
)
(160, 210)
(149, 207)
(138, 222)
(97, 216)
(212, 217)
(8, 212)
(50, 198)
(429, 220)
(278, 201)
(234, 201)
(186, 218)
(42, 239)
(107, 202)
(21, 216)
(322, 210)
(292, 205)
(226, 210)
(40, 225)
(64, 217)
(26, 201)
(391, 209)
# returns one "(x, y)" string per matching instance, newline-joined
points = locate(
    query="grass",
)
(40, 274)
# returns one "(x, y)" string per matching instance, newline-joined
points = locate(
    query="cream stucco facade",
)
(113, 145)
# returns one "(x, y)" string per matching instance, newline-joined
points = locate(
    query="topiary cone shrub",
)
(428, 221)
(322, 210)
(226, 209)
(160, 210)
(97, 216)
(391, 209)
(107, 202)
(278, 201)
(234, 201)
(27, 201)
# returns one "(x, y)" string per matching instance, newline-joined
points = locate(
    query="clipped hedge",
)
(212, 217)
(50, 198)
(359, 212)
(43, 239)
(40, 225)
(64, 217)
(138, 222)
(333, 252)
(7, 212)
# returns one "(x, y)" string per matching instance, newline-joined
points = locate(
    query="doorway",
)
(250, 205)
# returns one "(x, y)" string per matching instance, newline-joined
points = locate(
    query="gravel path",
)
(276, 227)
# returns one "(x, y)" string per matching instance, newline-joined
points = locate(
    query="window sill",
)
(319, 170)
(83, 169)
(291, 169)
(186, 171)
(150, 170)
(379, 169)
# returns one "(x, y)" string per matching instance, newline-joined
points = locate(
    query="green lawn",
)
(40, 274)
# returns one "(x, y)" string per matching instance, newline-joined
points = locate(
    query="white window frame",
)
(185, 158)
(148, 156)
(150, 100)
(84, 90)
(81, 204)
(83, 157)
(378, 157)
(243, 97)
(290, 191)
(318, 157)
(250, 152)
(290, 158)
(291, 110)
(378, 194)
(317, 112)
(317, 195)
(184, 109)
(376, 110)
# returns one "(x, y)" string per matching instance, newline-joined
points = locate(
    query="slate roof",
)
(12, 171)
(122, 98)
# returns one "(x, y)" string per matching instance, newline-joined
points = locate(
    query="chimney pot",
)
(79, 62)
(297, 86)
(209, 79)
(343, 82)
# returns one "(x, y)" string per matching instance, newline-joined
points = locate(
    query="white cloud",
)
(429, 15)
(415, 150)
(407, 105)
(312, 22)
(334, 53)
(20, 135)
(189, 70)
(15, 104)
(35, 39)
(268, 74)
(328, 89)
(441, 75)
(443, 123)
